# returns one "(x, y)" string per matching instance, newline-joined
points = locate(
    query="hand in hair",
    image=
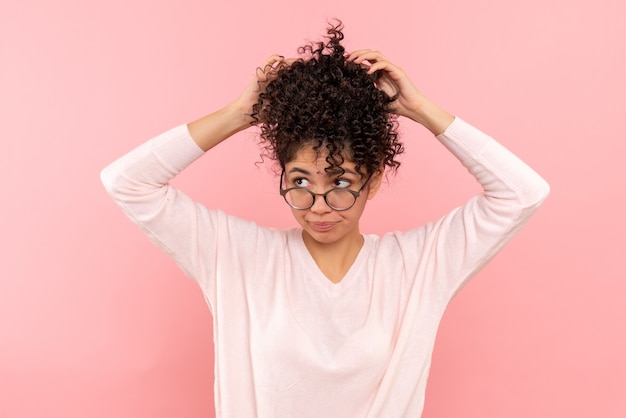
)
(408, 100)
(264, 74)
(214, 128)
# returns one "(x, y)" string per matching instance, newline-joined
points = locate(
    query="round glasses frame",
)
(283, 193)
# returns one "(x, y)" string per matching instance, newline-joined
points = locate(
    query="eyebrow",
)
(308, 173)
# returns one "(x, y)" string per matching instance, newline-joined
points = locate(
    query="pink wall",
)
(95, 322)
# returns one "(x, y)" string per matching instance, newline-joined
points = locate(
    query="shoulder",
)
(396, 242)
(246, 231)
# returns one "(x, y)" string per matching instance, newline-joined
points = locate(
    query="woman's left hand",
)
(410, 102)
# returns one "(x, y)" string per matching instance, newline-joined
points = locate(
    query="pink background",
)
(95, 322)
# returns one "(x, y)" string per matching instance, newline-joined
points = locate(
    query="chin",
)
(331, 236)
(322, 237)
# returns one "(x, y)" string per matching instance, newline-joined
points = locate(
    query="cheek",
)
(298, 214)
(359, 205)
(353, 215)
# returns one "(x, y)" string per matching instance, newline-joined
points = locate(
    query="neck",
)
(334, 259)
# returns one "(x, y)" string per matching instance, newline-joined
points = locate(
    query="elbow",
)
(110, 180)
(535, 196)
(106, 177)
(543, 190)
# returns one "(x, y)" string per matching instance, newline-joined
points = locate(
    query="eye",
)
(301, 182)
(341, 183)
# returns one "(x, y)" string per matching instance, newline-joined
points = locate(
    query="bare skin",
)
(332, 237)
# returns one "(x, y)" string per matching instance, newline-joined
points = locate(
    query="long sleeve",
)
(139, 183)
(468, 237)
(437, 259)
(287, 340)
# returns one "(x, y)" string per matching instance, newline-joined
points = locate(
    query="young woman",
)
(321, 320)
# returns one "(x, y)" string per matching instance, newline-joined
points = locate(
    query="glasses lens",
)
(340, 199)
(299, 199)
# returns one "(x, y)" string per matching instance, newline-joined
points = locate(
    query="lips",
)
(322, 226)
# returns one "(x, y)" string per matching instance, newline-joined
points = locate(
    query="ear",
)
(375, 182)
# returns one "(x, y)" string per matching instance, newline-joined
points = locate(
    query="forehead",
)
(310, 159)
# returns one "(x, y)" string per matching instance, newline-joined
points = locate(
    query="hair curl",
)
(329, 103)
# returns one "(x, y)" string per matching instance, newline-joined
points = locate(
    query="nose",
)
(319, 205)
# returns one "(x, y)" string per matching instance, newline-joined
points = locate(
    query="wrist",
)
(238, 116)
(212, 129)
(431, 116)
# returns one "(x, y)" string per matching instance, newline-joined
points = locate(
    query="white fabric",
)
(289, 342)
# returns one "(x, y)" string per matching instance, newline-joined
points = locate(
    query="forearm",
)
(147, 168)
(505, 178)
(214, 128)
(157, 161)
(476, 231)
(430, 115)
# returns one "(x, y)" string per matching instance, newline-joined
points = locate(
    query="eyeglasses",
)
(337, 199)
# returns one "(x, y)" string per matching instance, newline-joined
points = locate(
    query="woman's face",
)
(321, 223)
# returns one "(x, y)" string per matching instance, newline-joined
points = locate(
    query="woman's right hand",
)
(250, 96)
(212, 129)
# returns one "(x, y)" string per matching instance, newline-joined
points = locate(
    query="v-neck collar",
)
(316, 273)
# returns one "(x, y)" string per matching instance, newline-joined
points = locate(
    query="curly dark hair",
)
(329, 103)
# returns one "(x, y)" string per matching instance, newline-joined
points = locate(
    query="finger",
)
(273, 62)
(272, 59)
(264, 71)
(359, 52)
(392, 70)
(354, 54)
(290, 61)
(379, 65)
(366, 55)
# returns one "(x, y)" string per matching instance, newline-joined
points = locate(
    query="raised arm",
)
(138, 182)
(466, 238)
(466, 143)
(214, 128)
(410, 102)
